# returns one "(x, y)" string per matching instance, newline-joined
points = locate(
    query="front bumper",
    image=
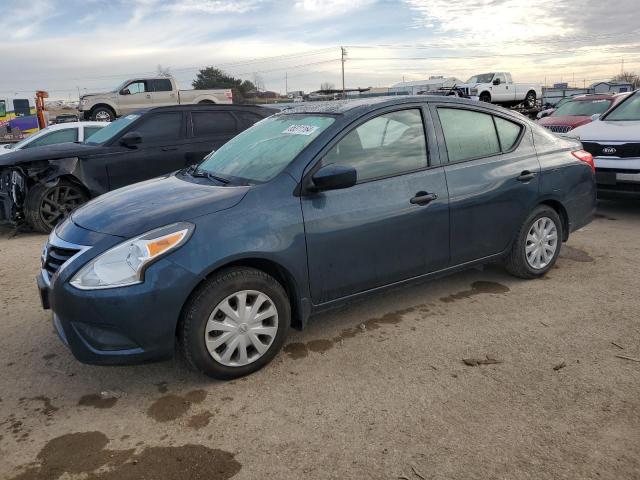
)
(618, 177)
(117, 326)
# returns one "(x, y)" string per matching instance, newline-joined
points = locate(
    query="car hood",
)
(138, 208)
(47, 152)
(4, 151)
(613, 131)
(565, 120)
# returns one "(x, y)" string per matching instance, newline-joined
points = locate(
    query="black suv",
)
(40, 186)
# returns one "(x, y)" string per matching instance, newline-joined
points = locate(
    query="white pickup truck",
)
(138, 93)
(498, 87)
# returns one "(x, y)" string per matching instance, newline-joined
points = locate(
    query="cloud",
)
(322, 9)
(213, 6)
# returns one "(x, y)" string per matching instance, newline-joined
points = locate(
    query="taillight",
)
(585, 157)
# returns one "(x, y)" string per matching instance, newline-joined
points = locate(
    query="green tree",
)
(211, 77)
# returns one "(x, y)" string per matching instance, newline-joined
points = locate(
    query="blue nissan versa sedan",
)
(307, 209)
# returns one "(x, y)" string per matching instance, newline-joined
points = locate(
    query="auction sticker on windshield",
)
(300, 129)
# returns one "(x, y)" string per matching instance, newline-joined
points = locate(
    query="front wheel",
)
(46, 206)
(103, 114)
(530, 99)
(235, 323)
(537, 245)
(485, 97)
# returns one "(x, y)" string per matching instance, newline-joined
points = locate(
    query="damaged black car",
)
(40, 186)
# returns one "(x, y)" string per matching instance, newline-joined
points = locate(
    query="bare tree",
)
(258, 81)
(163, 72)
(629, 77)
(327, 86)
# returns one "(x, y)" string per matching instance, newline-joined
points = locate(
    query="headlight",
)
(125, 263)
(83, 101)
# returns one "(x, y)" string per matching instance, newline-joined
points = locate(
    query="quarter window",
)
(390, 144)
(88, 131)
(508, 133)
(468, 134)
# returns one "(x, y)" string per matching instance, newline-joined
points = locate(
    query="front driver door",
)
(371, 234)
(160, 152)
(134, 96)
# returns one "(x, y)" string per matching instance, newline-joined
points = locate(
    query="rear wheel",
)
(46, 206)
(235, 324)
(537, 246)
(530, 99)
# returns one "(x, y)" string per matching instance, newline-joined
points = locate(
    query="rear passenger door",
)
(209, 130)
(161, 150)
(162, 92)
(492, 173)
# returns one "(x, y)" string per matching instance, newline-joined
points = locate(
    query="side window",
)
(468, 134)
(162, 127)
(88, 131)
(136, 87)
(508, 133)
(162, 85)
(508, 75)
(60, 136)
(213, 123)
(390, 144)
(501, 77)
(248, 118)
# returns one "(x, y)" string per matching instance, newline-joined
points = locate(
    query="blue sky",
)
(66, 45)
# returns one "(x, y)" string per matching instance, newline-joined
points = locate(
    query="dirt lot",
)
(375, 391)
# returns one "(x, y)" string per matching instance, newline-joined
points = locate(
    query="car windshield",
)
(120, 86)
(582, 108)
(264, 150)
(628, 110)
(482, 78)
(105, 134)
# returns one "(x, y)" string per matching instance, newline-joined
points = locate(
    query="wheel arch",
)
(485, 92)
(562, 213)
(104, 105)
(299, 311)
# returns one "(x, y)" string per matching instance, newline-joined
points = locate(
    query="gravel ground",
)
(378, 390)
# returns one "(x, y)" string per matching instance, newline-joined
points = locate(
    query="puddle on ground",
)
(575, 254)
(606, 217)
(477, 288)
(97, 401)
(171, 407)
(85, 453)
(320, 346)
(200, 420)
(296, 350)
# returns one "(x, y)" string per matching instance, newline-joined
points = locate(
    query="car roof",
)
(337, 107)
(63, 126)
(210, 106)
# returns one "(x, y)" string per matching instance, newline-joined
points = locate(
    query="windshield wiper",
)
(198, 172)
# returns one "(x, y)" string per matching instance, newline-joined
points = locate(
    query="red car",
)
(578, 111)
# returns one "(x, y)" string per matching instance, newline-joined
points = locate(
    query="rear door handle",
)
(168, 149)
(423, 198)
(526, 176)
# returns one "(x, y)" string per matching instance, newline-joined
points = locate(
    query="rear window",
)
(162, 85)
(213, 123)
(58, 136)
(584, 108)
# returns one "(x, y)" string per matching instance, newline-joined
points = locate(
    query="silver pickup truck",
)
(138, 93)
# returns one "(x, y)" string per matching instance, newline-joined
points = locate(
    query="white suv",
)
(614, 142)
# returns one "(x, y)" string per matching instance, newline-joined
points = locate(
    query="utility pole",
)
(622, 67)
(286, 84)
(343, 54)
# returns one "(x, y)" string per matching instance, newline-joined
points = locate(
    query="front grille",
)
(558, 128)
(624, 150)
(55, 257)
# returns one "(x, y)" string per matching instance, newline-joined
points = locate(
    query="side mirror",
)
(496, 81)
(595, 117)
(125, 91)
(131, 139)
(333, 177)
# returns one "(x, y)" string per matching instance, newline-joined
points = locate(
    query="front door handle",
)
(168, 149)
(423, 198)
(526, 176)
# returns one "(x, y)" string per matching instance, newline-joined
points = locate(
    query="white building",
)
(612, 87)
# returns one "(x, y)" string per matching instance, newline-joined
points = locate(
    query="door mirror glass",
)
(496, 81)
(334, 177)
(125, 91)
(595, 116)
(131, 139)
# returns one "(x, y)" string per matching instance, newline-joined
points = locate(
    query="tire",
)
(219, 357)
(46, 206)
(517, 261)
(103, 114)
(530, 99)
(485, 97)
